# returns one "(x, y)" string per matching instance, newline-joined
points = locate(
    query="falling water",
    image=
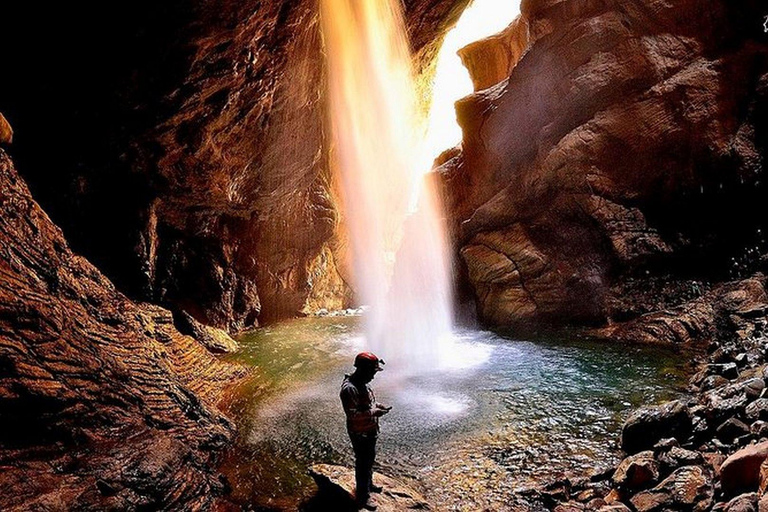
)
(401, 262)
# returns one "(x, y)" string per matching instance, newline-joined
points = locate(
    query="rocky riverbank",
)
(706, 452)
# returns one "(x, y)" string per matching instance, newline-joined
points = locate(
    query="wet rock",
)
(646, 426)
(743, 503)
(754, 387)
(336, 489)
(741, 471)
(571, 506)
(6, 132)
(677, 457)
(757, 410)
(712, 382)
(637, 472)
(728, 370)
(732, 429)
(718, 409)
(666, 444)
(688, 488)
(759, 429)
(215, 340)
(614, 507)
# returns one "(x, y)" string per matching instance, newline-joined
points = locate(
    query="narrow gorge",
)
(548, 216)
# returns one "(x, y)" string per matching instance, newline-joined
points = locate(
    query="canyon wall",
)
(617, 169)
(103, 404)
(190, 149)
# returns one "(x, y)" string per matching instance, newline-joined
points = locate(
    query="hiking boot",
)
(376, 488)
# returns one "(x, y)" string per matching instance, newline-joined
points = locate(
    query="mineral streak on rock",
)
(103, 404)
(626, 144)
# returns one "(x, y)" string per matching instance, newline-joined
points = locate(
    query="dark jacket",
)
(359, 405)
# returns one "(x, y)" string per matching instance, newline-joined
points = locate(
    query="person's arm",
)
(350, 400)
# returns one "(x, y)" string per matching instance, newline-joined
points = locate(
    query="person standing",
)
(363, 413)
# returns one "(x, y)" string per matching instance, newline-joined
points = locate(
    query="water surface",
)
(468, 436)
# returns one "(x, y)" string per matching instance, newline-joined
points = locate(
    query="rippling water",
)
(470, 435)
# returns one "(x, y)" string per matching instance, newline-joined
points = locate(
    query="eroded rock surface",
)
(103, 404)
(618, 168)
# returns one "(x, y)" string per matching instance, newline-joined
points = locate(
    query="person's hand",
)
(381, 410)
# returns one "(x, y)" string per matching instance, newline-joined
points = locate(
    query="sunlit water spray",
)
(383, 148)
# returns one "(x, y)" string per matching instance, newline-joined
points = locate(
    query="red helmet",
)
(368, 360)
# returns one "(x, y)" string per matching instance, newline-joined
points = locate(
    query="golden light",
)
(481, 19)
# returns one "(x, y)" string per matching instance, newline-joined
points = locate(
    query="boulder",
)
(646, 426)
(732, 429)
(759, 429)
(571, 506)
(688, 488)
(757, 410)
(678, 457)
(726, 370)
(614, 507)
(215, 340)
(741, 471)
(637, 471)
(336, 490)
(744, 503)
(712, 382)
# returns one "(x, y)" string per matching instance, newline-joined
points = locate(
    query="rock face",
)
(104, 405)
(619, 166)
(192, 164)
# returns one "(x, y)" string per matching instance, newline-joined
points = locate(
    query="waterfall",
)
(398, 239)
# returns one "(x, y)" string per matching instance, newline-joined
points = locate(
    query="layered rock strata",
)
(104, 405)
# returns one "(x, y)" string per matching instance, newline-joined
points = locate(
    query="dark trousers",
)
(365, 455)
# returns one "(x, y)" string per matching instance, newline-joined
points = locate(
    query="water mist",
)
(399, 245)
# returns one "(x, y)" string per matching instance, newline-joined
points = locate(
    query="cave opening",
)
(451, 80)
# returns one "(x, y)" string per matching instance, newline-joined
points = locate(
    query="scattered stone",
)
(754, 387)
(757, 410)
(571, 506)
(743, 503)
(759, 429)
(712, 382)
(646, 426)
(678, 457)
(637, 472)
(741, 471)
(614, 507)
(728, 370)
(688, 488)
(666, 444)
(731, 429)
